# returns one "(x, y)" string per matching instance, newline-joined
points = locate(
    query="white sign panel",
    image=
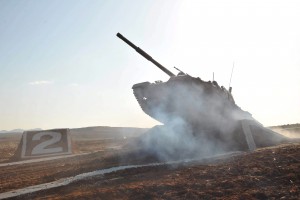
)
(46, 143)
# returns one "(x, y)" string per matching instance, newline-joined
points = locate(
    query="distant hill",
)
(19, 130)
(12, 131)
(106, 132)
(287, 126)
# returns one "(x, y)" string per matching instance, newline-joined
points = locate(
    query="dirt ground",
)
(8, 145)
(269, 173)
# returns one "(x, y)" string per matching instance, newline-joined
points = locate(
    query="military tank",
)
(209, 110)
(199, 103)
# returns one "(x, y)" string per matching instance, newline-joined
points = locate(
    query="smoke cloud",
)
(199, 121)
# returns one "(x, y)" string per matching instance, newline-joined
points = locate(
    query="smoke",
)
(177, 141)
(199, 121)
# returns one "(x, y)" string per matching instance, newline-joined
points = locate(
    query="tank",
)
(201, 110)
(204, 105)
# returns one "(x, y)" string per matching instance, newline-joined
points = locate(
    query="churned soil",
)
(267, 173)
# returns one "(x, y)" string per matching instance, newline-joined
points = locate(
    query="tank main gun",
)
(145, 55)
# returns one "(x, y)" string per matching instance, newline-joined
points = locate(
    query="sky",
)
(62, 66)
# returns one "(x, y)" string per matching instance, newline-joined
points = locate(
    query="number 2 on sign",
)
(42, 147)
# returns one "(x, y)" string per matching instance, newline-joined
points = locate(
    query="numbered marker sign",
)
(46, 143)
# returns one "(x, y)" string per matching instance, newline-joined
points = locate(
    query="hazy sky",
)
(61, 64)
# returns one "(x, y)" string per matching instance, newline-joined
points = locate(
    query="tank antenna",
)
(231, 76)
(213, 76)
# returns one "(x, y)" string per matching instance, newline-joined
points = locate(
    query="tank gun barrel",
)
(145, 55)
